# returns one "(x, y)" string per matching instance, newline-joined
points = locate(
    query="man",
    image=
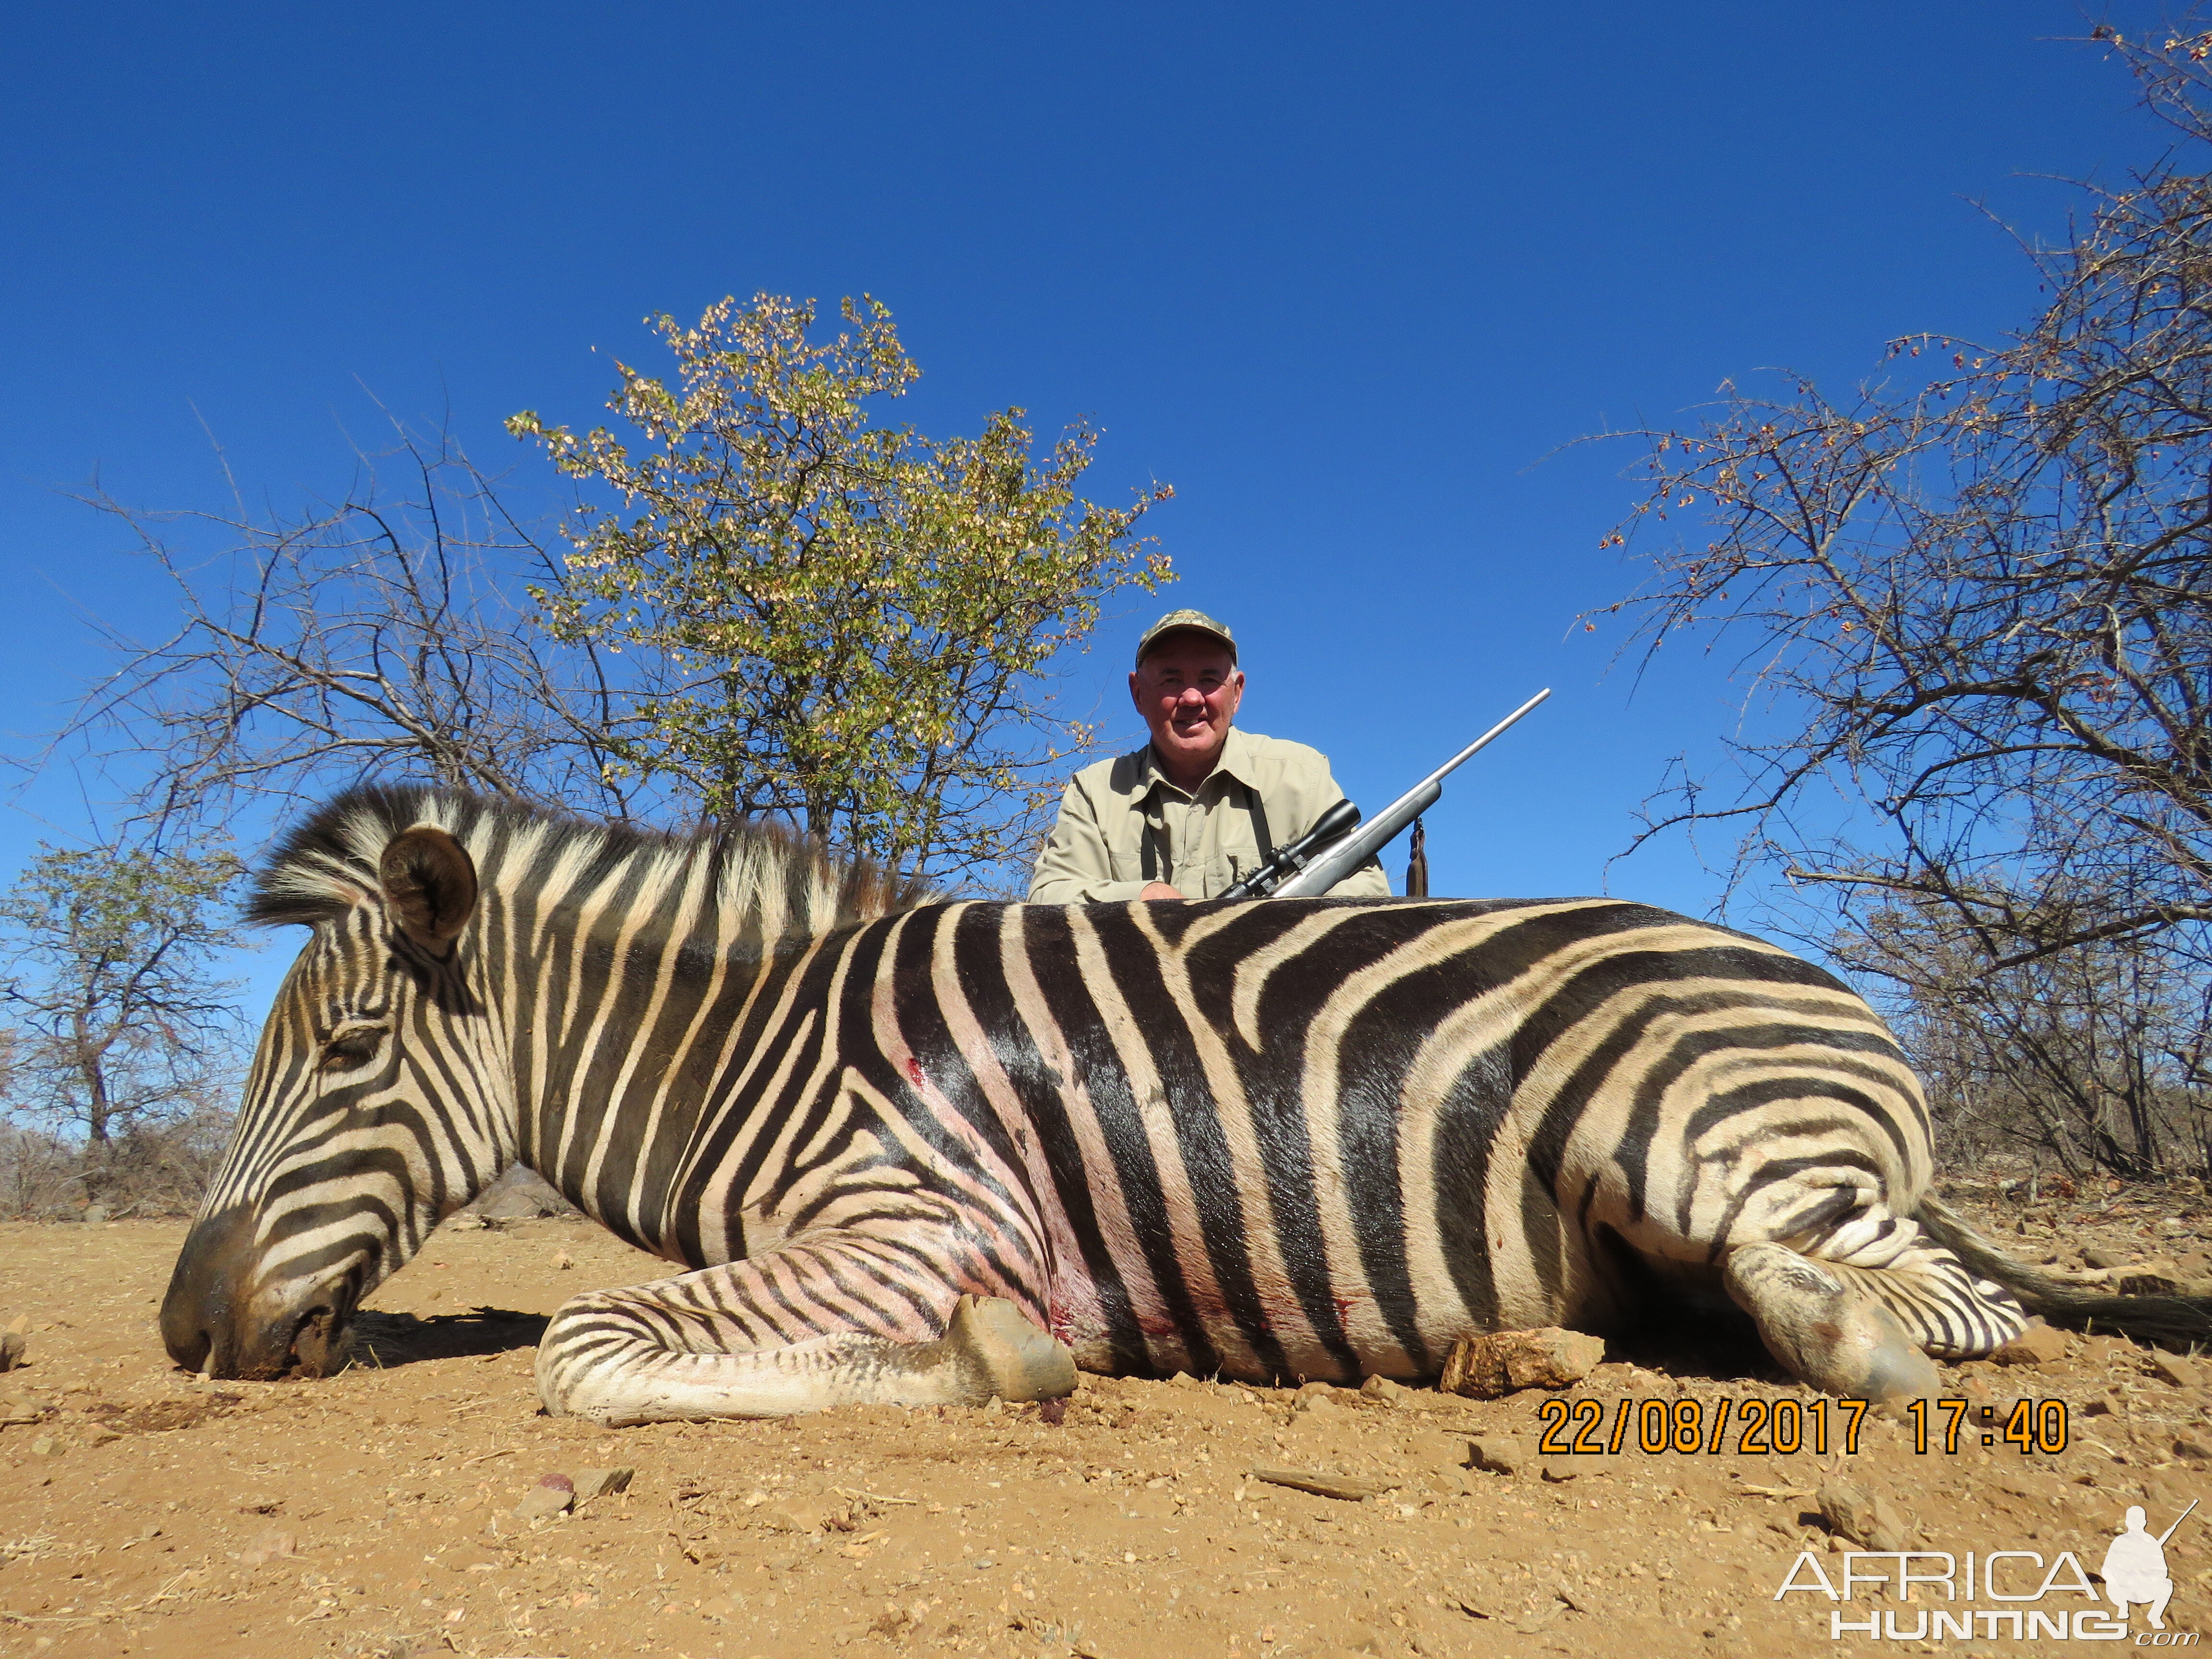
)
(1202, 805)
(2134, 1569)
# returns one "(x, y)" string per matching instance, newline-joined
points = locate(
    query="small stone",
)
(2188, 1445)
(599, 1483)
(272, 1546)
(562, 1261)
(45, 1446)
(2171, 1368)
(519, 1195)
(1385, 1392)
(1500, 1454)
(2039, 1345)
(1311, 1399)
(1184, 1380)
(792, 1514)
(1351, 1488)
(1559, 1470)
(14, 1339)
(1858, 1514)
(2097, 1256)
(1491, 1367)
(551, 1496)
(892, 1624)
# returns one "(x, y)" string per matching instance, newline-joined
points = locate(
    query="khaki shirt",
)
(1122, 824)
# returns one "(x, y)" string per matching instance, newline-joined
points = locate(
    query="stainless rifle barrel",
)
(1356, 848)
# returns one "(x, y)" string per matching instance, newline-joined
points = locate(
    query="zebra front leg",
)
(789, 1333)
(1857, 1305)
(1826, 1330)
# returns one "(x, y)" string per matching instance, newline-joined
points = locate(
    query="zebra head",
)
(372, 1109)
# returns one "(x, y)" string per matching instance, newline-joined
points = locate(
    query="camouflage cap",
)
(1196, 622)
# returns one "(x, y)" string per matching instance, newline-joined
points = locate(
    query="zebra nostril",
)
(191, 1353)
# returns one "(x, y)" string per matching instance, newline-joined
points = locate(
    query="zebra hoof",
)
(1826, 1330)
(1009, 1357)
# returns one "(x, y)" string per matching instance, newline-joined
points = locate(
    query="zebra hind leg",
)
(1858, 1313)
(729, 1342)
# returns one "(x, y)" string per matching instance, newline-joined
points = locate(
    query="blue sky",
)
(1344, 276)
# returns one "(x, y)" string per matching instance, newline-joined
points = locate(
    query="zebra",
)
(927, 1152)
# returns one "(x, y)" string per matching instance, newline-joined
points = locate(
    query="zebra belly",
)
(1184, 1299)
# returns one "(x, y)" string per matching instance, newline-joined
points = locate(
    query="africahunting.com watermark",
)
(1998, 1595)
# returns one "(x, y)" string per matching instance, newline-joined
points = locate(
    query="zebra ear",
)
(429, 884)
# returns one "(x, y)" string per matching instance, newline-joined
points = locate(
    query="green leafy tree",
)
(120, 1028)
(826, 619)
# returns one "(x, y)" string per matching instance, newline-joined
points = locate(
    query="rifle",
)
(1333, 825)
(1339, 843)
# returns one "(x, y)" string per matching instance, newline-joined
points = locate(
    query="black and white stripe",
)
(1289, 1138)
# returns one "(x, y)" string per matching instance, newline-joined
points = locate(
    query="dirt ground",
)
(143, 1512)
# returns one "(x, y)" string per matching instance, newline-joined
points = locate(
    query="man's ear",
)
(1136, 695)
(430, 885)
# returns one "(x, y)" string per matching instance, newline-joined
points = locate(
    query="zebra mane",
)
(328, 864)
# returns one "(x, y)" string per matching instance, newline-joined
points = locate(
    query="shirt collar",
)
(1236, 764)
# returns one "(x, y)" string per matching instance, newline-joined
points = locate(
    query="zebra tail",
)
(2180, 1323)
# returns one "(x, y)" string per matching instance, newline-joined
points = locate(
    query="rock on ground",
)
(1492, 1367)
(554, 1494)
(1501, 1454)
(14, 1341)
(519, 1195)
(2039, 1345)
(1862, 1516)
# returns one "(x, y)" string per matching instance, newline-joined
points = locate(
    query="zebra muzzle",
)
(213, 1321)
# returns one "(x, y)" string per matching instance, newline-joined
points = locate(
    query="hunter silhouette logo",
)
(2135, 1567)
(2014, 1594)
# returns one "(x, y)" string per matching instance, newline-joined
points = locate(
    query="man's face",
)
(1188, 690)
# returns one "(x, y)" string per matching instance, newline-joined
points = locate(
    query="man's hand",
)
(1158, 889)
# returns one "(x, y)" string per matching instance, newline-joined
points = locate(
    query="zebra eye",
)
(351, 1045)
